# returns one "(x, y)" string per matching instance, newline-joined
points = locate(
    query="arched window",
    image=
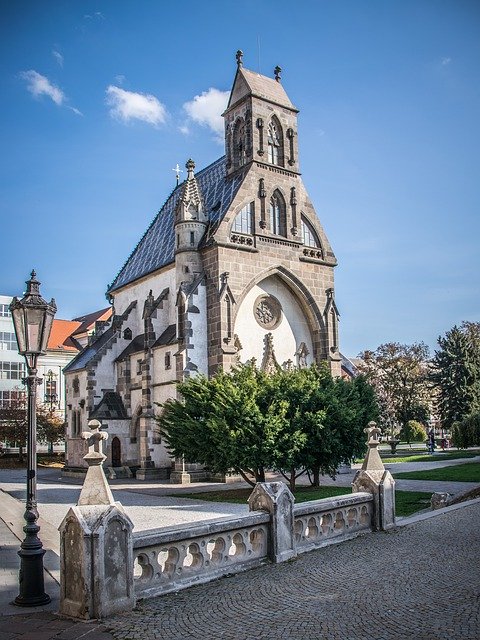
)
(275, 142)
(239, 144)
(309, 237)
(243, 220)
(277, 215)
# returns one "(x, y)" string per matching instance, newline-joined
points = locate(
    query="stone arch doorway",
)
(116, 452)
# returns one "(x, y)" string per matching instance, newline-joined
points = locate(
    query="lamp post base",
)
(31, 576)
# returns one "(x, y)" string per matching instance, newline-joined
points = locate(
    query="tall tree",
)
(14, 426)
(455, 373)
(399, 375)
(250, 421)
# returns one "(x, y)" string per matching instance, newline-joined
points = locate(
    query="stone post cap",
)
(95, 455)
(372, 461)
(373, 433)
(266, 494)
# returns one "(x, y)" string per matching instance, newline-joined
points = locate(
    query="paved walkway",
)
(418, 582)
(151, 505)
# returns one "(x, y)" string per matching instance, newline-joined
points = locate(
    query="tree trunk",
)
(291, 482)
(316, 477)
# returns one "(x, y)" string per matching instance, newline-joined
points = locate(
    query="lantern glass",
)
(32, 319)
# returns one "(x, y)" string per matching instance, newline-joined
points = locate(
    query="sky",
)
(101, 100)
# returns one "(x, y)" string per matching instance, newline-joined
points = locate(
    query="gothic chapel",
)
(235, 266)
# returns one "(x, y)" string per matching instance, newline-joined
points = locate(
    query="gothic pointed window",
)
(275, 142)
(277, 214)
(243, 220)
(309, 237)
(239, 144)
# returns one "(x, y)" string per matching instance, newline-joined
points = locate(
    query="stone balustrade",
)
(105, 567)
(330, 520)
(171, 559)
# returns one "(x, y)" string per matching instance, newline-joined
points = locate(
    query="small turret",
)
(190, 225)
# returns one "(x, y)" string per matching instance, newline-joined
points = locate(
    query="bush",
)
(466, 432)
(413, 431)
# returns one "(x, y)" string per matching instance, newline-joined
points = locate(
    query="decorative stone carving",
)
(267, 311)
(277, 499)
(269, 362)
(96, 548)
(301, 355)
(373, 478)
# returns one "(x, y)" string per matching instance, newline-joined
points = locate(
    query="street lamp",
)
(32, 319)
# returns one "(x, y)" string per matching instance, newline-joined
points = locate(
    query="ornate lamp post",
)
(32, 319)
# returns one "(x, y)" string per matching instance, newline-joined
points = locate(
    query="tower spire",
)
(239, 57)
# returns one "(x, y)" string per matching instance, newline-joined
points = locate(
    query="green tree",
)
(399, 375)
(413, 431)
(466, 432)
(249, 421)
(14, 426)
(455, 373)
(227, 423)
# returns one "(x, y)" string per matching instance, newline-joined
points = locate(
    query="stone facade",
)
(235, 266)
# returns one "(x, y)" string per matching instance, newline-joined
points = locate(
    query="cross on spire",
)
(178, 171)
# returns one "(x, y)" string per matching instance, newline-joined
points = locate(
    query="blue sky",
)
(100, 100)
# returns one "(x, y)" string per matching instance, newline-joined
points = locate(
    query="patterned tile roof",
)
(83, 358)
(157, 246)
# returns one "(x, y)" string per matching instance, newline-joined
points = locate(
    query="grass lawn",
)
(406, 502)
(468, 472)
(425, 457)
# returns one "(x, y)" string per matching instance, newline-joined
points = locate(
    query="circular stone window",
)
(267, 311)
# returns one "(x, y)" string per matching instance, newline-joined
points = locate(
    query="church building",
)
(235, 266)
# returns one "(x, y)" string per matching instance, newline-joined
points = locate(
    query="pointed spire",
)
(190, 166)
(239, 57)
(277, 71)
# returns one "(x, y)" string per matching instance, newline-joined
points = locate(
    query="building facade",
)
(235, 266)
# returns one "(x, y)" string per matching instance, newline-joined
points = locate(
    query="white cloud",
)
(183, 128)
(58, 57)
(76, 111)
(98, 14)
(120, 79)
(446, 61)
(39, 85)
(207, 110)
(128, 105)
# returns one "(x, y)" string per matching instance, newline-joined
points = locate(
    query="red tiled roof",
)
(60, 335)
(88, 321)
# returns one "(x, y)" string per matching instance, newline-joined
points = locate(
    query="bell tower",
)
(260, 122)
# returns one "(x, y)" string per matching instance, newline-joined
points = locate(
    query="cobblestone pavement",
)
(420, 582)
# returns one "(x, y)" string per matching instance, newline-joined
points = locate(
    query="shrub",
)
(466, 432)
(413, 431)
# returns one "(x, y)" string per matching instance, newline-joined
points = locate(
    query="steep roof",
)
(250, 83)
(88, 321)
(81, 360)
(157, 246)
(60, 335)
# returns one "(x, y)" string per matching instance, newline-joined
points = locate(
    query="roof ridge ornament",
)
(239, 58)
(278, 71)
(190, 166)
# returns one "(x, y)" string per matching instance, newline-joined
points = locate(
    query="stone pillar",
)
(96, 546)
(375, 479)
(277, 499)
(179, 474)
